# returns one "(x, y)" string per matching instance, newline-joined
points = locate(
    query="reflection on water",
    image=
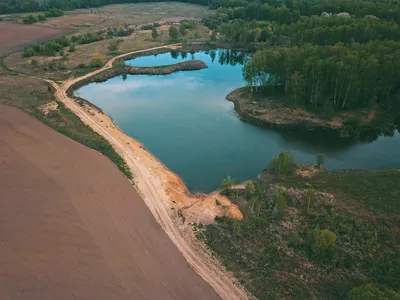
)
(185, 120)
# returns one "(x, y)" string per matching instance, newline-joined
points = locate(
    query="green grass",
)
(378, 190)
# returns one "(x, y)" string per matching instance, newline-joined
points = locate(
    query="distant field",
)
(91, 19)
(14, 37)
(140, 39)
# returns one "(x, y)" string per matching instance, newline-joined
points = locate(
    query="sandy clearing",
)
(73, 227)
(14, 36)
(162, 190)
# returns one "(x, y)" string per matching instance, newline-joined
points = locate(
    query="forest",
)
(324, 56)
(338, 76)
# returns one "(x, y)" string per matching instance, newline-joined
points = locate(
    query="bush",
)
(96, 61)
(72, 48)
(62, 66)
(249, 188)
(54, 12)
(29, 19)
(81, 66)
(41, 17)
(284, 164)
(52, 65)
(226, 185)
(370, 292)
(324, 243)
(28, 52)
(34, 62)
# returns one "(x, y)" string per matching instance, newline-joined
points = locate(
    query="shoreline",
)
(278, 117)
(164, 193)
(271, 114)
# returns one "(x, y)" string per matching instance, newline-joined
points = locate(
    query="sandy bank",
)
(163, 191)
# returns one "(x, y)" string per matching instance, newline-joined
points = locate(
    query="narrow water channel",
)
(185, 120)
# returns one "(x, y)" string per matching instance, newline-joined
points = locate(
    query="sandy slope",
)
(73, 227)
(163, 191)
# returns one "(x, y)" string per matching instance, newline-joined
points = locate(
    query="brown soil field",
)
(73, 227)
(14, 37)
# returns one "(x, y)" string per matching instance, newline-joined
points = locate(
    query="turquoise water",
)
(185, 120)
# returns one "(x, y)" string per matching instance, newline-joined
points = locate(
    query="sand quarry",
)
(73, 227)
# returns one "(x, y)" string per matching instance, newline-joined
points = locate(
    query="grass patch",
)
(30, 95)
(378, 190)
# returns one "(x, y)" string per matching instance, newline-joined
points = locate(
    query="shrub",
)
(72, 48)
(29, 19)
(54, 12)
(28, 52)
(96, 61)
(34, 62)
(249, 188)
(41, 17)
(62, 66)
(284, 164)
(324, 243)
(113, 46)
(52, 65)
(366, 292)
(226, 185)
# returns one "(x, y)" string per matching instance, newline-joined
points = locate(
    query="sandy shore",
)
(164, 192)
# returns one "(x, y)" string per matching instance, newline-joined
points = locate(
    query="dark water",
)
(185, 120)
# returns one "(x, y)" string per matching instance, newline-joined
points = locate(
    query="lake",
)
(186, 122)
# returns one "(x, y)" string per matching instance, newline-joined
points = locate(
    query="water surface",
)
(185, 120)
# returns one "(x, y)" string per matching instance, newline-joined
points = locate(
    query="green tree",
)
(182, 29)
(324, 243)
(249, 188)
(154, 33)
(114, 45)
(196, 35)
(284, 164)
(41, 17)
(226, 185)
(173, 34)
(280, 204)
(72, 48)
(320, 159)
(366, 292)
(311, 197)
(213, 36)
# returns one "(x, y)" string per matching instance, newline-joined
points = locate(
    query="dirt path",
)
(162, 190)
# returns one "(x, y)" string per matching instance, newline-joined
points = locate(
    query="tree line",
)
(14, 6)
(338, 76)
(331, 30)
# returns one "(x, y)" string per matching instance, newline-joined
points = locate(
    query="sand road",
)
(73, 227)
